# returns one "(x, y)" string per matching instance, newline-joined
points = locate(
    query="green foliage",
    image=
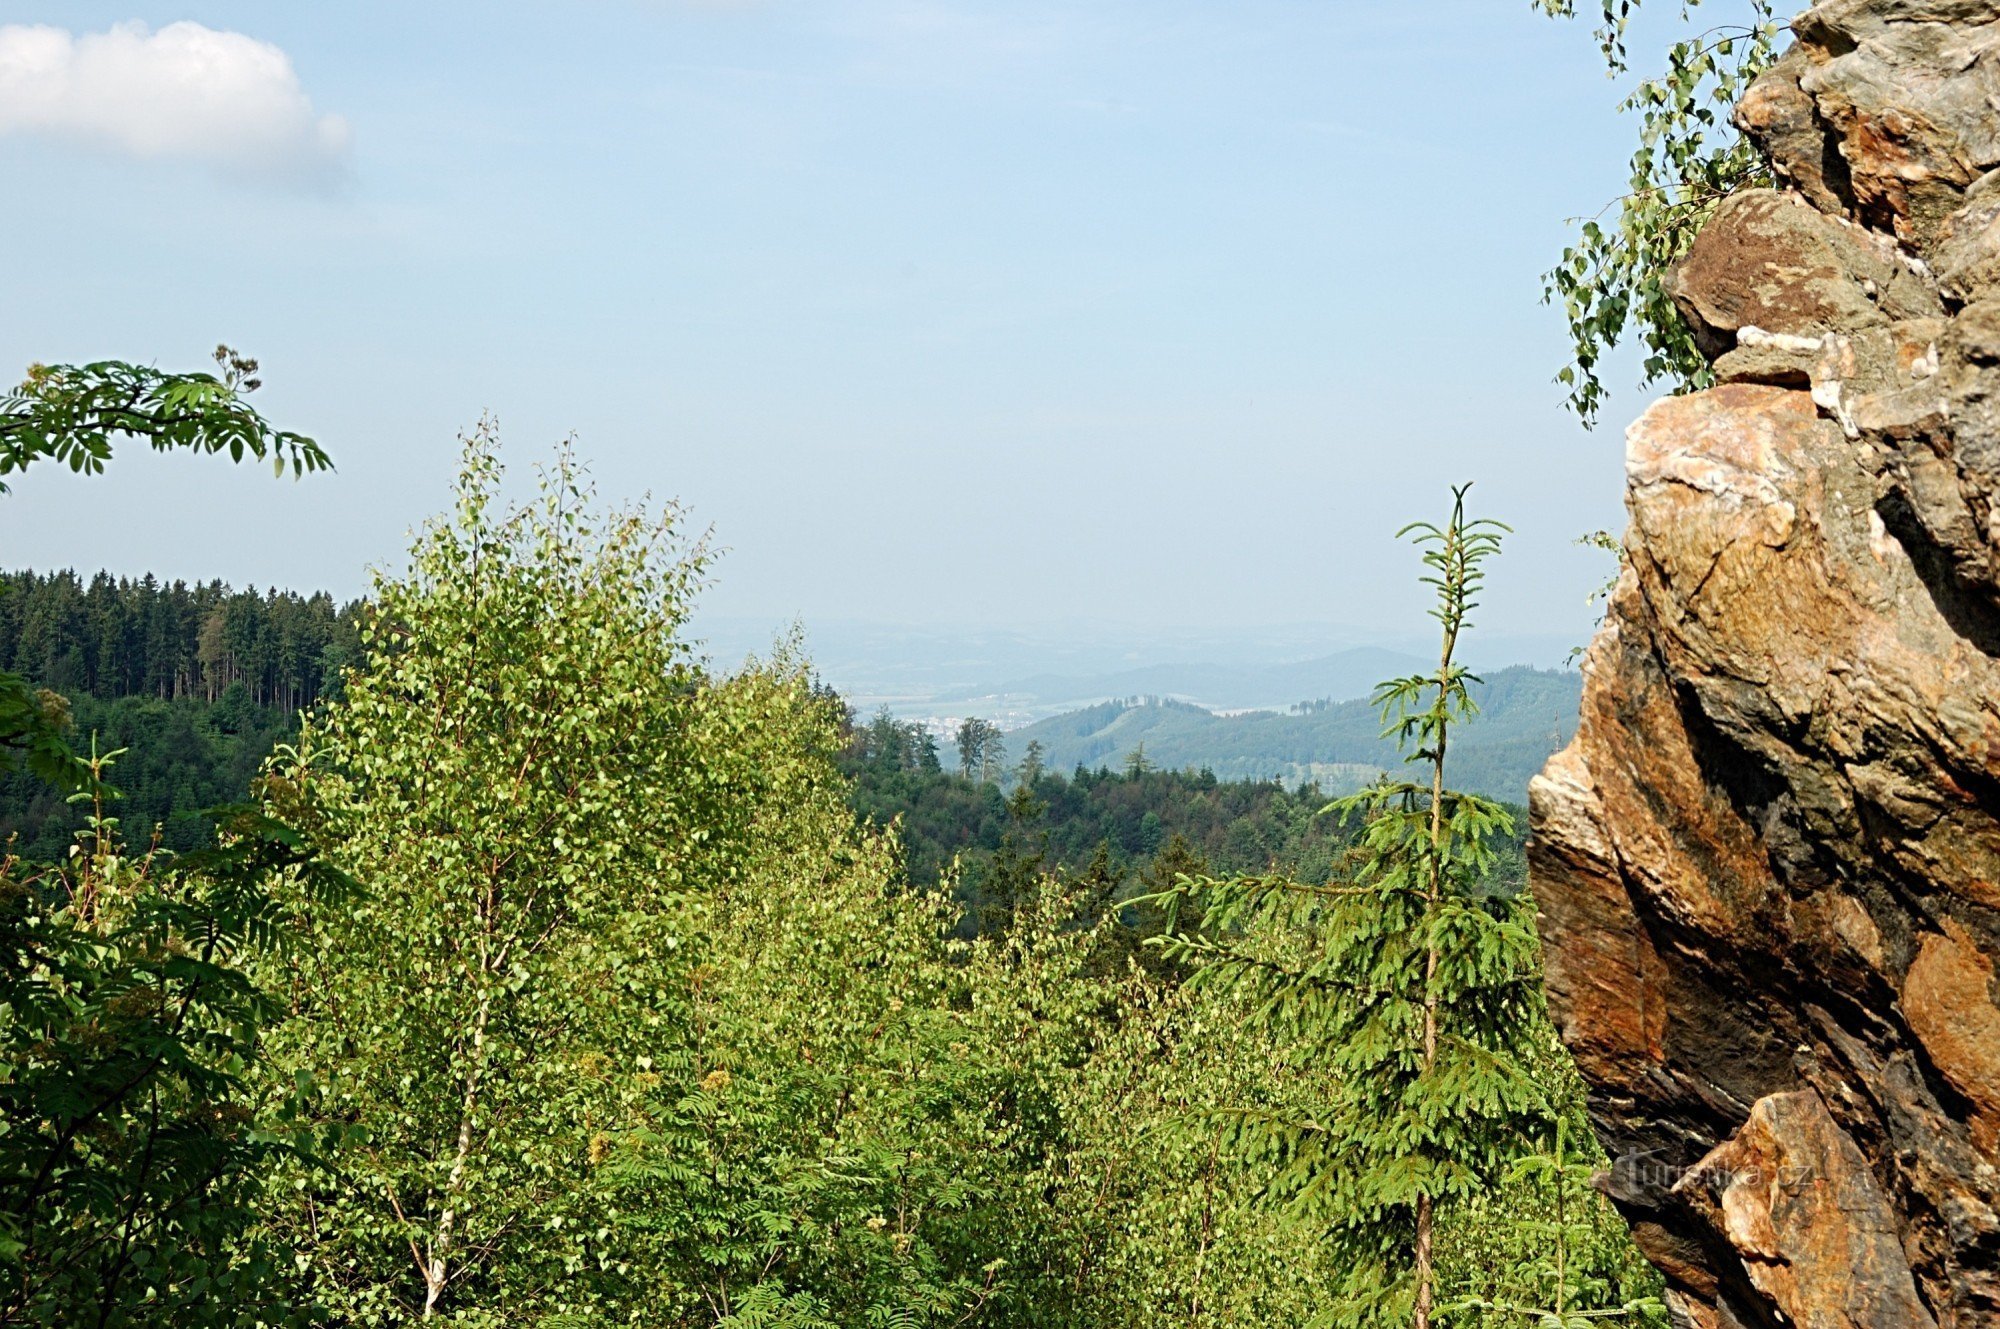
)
(71, 413)
(632, 1022)
(34, 734)
(1546, 1248)
(1612, 279)
(1160, 1223)
(515, 774)
(955, 832)
(133, 1142)
(1017, 865)
(120, 637)
(135, 1137)
(181, 758)
(982, 750)
(195, 683)
(1406, 991)
(855, 1131)
(642, 1011)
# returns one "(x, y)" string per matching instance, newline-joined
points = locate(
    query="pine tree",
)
(1405, 992)
(1030, 769)
(1136, 762)
(1018, 864)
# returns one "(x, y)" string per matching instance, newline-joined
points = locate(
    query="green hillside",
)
(1525, 714)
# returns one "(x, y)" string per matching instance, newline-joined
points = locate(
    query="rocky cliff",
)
(1769, 865)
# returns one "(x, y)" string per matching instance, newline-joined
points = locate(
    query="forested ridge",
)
(193, 686)
(1523, 715)
(1121, 831)
(120, 637)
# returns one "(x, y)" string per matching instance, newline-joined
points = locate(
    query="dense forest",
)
(180, 755)
(551, 974)
(986, 839)
(191, 686)
(116, 637)
(194, 687)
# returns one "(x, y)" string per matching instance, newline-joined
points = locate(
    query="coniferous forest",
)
(478, 953)
(112, 638)
(193, 686)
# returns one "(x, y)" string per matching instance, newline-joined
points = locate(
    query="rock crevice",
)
(1769, 864)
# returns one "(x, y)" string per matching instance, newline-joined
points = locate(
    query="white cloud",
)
(183, 93)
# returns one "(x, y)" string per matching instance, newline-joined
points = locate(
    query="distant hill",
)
(943, 673)
(1340, 676)
(1525, 714)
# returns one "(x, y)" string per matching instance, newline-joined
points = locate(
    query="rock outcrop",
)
(1769, 864)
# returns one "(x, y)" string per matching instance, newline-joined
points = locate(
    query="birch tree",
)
(518, 779)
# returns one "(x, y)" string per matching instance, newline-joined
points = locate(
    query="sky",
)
(1134, 314)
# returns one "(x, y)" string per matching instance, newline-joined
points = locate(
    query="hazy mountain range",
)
(1289, 701)
(1340, 676)
(1525, 714)
(1017, 676)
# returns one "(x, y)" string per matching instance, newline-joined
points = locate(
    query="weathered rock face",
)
(1769, 865)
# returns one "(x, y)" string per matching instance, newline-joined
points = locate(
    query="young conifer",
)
(1400, 998)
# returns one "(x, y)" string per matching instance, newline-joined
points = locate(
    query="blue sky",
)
(1160, 313)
